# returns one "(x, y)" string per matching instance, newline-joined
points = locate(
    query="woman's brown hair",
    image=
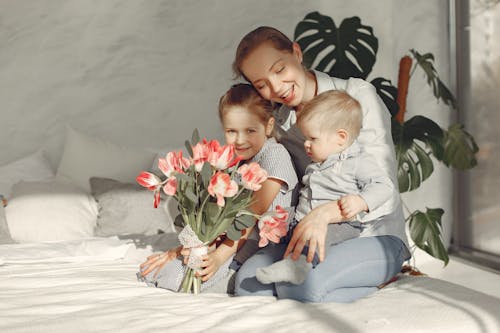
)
(254, 39)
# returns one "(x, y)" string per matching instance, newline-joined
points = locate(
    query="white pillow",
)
(86, 157)
(30, 168)
(50, 211)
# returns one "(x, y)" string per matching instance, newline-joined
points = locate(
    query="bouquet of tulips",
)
(213, 194)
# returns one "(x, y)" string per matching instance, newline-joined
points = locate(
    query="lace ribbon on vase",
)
(188, 239)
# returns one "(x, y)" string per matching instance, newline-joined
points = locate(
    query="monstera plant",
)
(350, 50)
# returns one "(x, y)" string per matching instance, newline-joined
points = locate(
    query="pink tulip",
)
(152, 183)
(201, 152)
(148, 180)
(157, 199)
(170, 186)
(252, 176)
(223, 157)
(222, 186)
(273, 226)
(174, 162)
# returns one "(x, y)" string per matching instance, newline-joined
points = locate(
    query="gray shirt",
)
(375, 138)
(350, 172)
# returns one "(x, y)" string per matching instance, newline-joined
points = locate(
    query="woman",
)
(272, 63)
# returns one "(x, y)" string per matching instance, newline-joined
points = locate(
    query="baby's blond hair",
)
(333, 110)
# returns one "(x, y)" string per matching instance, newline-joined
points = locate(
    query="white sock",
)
(286, 270)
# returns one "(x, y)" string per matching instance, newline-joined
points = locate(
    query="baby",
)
(340, 170)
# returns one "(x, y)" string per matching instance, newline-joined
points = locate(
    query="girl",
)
(248, 124)
(272, 63)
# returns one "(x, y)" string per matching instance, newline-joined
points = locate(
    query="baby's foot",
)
(286, 270)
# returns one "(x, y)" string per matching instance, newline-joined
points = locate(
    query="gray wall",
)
(146, 72)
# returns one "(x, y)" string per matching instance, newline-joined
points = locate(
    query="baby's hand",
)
(351, 204)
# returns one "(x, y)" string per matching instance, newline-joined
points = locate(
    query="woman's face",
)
(278, 75)
(245, 131)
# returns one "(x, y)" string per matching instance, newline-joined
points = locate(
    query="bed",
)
(70, 249)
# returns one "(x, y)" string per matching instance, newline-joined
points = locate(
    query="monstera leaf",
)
(241, 222)
(388, 93)
(414, 162)
(347, 51)
(440, 91)
(459, 148)
(425, 230)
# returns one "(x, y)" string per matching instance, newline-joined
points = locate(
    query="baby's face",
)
(320, 143)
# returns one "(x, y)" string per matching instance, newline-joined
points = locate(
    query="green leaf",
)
(203, 229)
(426, 62)
(414, 162)
(240, 222)
(187, 203)
(179, 221)
(414, 166)
(195, 137)
(460, 148)
(425, 230)
(233, 234)
(244, 221)
(243, 199)
(189, 149)
(388, 93)
(347, 51)
(206, 174)
(211, 209)
(222, 226)
(189, 194)
(185, 179)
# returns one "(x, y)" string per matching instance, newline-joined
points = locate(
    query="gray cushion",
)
(128, 209)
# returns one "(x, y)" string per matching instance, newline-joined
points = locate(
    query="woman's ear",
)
(270, 127)
(297, 52)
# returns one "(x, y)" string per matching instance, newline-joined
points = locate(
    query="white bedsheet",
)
(90, 286)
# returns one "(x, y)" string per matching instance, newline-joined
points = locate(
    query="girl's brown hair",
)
(254, 39)
(245, 95)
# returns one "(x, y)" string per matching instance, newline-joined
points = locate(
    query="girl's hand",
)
(351, 204)
(312, 230)
(155, 262)
(211, 264)
(186, 251)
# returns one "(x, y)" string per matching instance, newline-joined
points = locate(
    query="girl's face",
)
(279, 75)
(245, 131)
(320, 143)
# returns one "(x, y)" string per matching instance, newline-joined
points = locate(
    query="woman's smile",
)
(289, 95)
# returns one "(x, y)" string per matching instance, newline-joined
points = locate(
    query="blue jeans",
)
(351, 270)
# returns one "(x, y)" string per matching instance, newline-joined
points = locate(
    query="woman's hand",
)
(155, 262)
(312, 230)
